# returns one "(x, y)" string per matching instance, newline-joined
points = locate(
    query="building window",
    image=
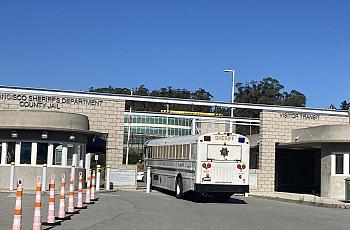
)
(339, 164)
(26, 153)
(11, 148)
(41, 157)
(57, 154)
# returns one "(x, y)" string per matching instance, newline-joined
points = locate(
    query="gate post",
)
(148, 188)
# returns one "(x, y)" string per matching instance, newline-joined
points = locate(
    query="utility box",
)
(347, 190)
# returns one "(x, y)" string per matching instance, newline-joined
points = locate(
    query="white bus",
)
(212, 164)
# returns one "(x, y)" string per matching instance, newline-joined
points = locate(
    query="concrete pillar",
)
(87, 160)
(64, 156)
(34, 153)
(44, 175)
(12, 176)
(108, 178)
(72, 172)
(75, 159)
(76, 154)
(3, 153)
(148, 180)
(18, 153)
(98, 177)
(50, 155)
(193, 127)
(82, 156)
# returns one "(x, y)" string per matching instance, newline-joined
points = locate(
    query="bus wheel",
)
(179, 188)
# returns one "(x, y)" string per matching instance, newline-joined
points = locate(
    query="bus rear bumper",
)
(208, 188)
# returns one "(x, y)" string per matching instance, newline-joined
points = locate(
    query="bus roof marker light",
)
(207, 138)
(241, 139)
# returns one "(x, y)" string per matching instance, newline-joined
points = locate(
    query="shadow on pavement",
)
(199, 198)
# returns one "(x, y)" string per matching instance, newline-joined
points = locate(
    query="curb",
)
(311, 203)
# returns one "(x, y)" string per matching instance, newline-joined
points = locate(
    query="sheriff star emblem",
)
(224, 152)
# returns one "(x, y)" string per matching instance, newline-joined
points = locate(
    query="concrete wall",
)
(43, 120)
(30, 173)
(322, 134)
(211, 127)
(275, 128)
(104, 116)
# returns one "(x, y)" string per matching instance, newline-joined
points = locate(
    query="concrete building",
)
(296, 150)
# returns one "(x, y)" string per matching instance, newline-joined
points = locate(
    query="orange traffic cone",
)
(80, 193)
(61, 209)
(71, 198)
(37, 206)
(17, 217)
(51, 212)
(88, 192)
(93, 187)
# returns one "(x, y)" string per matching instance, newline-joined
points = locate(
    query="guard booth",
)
(32, 139)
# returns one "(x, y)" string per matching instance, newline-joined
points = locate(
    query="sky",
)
(75, 45)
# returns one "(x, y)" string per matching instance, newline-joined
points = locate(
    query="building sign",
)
(47, 102)
(300, 116)
(123, 177)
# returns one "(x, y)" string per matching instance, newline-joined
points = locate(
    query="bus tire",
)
(179, 188)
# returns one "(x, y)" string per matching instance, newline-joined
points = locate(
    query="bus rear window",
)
(224, 152)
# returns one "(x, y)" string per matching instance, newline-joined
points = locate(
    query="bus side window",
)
(164, 152)
(149, 152)
(178, 151)
(187, 151)
(194, 151)
(182, 147)
(157, 153)
(172, 151)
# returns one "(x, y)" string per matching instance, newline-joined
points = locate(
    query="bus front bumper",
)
(208, 188)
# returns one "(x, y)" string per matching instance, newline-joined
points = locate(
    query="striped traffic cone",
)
(93, 186)
(17, 217)
(37, 206)
(61, 209)
(51, 212)
(88, 192)
(80, 192)
(71, 198)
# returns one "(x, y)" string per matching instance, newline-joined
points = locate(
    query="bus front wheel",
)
(179, 188)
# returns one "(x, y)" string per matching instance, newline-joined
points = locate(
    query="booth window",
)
(70, 152)
(11, 146)
(26, 153)
(57, 154)
(339, 164)
(254, 158)
(41, 157)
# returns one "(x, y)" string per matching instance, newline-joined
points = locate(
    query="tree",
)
(344, 105)
(266, 91)
(332, 107)
(199, 94)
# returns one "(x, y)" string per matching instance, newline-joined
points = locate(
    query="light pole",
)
(232, 95)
